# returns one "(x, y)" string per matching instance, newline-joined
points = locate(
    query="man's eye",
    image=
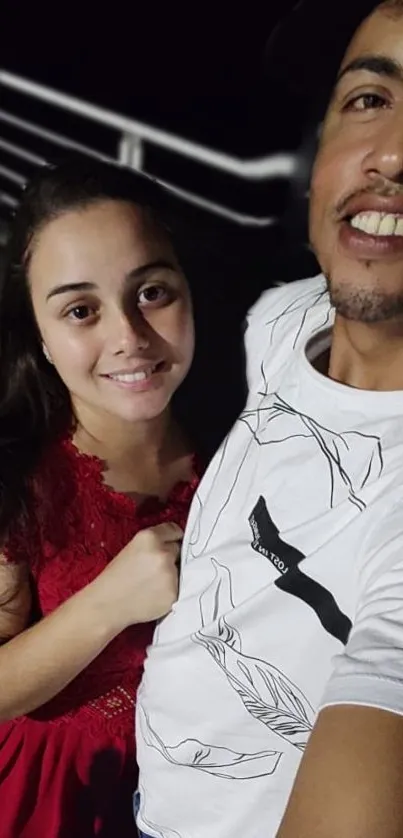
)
(153, 294)
(366, 102)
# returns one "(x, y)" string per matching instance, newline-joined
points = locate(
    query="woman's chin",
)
(141, 409)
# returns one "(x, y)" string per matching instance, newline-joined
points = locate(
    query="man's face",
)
(356, 215)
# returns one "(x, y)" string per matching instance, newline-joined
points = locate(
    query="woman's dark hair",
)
(35, 405)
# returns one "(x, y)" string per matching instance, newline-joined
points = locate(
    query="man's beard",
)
(365, 306)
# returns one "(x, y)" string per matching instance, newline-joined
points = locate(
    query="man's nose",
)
(386, 156)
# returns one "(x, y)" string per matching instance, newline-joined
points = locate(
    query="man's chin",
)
(365, 303)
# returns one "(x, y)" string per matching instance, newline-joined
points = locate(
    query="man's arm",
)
(350, 783)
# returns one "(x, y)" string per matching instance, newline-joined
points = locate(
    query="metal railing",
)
(133, 137)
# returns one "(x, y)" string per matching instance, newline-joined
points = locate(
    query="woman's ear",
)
(47, 353)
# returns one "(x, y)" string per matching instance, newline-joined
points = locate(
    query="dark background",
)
(195, 70)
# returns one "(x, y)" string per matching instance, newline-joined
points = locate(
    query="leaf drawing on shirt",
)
(217, 598)
(221, 762)
(266, 693)
(353, 458)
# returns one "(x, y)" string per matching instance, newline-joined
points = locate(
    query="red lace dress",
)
(68, 769)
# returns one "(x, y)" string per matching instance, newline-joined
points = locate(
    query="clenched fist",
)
(141, 583)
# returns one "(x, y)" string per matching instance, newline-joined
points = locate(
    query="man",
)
(272, 701)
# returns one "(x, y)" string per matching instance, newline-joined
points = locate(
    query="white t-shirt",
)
(291, 593)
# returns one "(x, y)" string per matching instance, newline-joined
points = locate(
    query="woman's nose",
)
(131, 335)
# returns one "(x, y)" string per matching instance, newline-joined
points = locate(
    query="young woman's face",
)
(113, 309)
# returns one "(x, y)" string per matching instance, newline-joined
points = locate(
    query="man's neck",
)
(367, 356)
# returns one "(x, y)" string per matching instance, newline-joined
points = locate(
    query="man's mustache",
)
(383, 187)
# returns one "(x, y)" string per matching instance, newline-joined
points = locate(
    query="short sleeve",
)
(370, 671)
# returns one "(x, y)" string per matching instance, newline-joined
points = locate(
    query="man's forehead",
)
(380, 34)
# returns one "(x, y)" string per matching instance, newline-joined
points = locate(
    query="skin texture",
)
(351, 776)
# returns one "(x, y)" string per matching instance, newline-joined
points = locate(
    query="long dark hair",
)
(35, 405)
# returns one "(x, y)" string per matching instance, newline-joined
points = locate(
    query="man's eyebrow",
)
(382, 65)
(136, 273)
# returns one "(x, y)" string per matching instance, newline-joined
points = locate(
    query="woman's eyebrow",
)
(136, 273)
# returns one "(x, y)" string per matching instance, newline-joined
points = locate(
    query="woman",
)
(96, 478)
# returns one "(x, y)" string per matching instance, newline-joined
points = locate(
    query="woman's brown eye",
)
(80, 312)
(152, 294)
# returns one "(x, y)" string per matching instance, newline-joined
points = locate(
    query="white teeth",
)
(131, 377)
(378, 223)
(372, 223)
(387, 226)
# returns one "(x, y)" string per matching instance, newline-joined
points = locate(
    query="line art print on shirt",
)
(305, 302)
(270, 698)
(210, 759)
(352, 459)
(338, 449)
(267, 695)
(341, 451)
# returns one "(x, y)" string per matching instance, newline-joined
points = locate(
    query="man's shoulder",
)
(290, 300)
(284, 318)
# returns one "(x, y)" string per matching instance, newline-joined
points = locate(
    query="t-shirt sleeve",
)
(370, 671)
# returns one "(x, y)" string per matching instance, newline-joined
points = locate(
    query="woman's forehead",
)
(103, 237)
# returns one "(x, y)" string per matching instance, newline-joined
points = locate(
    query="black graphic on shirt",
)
(286, 559)
(267, 695)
